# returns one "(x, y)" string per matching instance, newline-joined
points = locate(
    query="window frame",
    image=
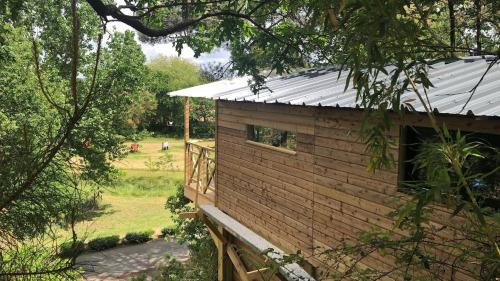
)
(409, 137)
(250, 139)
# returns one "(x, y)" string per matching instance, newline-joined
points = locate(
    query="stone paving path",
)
(124, 262)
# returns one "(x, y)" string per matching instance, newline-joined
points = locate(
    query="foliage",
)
(173, 270)
(104, 243)
(481, 163)
(138, 237)
(167, 74)
(41, 259)
(140, 104)
(179, 73)
(274, 137)
(202, 118)
(71, 249)
(177, 202)
(62, 97)
(130, 106)
(212, 72)
(158, 184)
(202, 263)
(166, 161)
(140, 277)
(168, 231)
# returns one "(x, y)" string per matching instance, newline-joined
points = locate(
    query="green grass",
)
(123, 214)
(144, 183)
(135, 202)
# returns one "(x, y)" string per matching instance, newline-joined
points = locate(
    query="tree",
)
(168, 74)
(212, 72)
(362, 38)
(124, 61)
(62, 96)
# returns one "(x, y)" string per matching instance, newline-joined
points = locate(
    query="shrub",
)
(140, 277)
(202, 263)
(168, 231)
(173, 270)
(103, 243)
(138, 237)
(71, 249)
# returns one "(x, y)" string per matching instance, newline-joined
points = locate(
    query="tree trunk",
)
(451, 9)
(477, 6)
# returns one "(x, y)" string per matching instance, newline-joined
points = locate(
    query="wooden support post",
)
(216, 150)
(189, 215)
(224, 265)
(186, 140)
(257, 274)
(238, 264)
(214, 231)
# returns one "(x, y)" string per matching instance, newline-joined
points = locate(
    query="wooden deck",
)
(207, 198)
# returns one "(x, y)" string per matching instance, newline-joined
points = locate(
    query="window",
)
(486, 188)
(272, 137)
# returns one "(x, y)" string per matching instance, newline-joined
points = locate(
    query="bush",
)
(103, 243)
(71, 249)
(173, 270)
(140, 277)
(202, 263)
(138, 237)
(168, 231)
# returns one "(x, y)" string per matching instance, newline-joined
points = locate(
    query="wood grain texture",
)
(321, 195)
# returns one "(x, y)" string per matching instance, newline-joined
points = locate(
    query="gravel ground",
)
(122, 263)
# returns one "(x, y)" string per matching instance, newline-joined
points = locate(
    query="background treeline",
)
(156, 111)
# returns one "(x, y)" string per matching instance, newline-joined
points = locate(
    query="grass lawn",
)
(136, 201)
(123, 214)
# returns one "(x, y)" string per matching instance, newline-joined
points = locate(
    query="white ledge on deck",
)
(292, 271)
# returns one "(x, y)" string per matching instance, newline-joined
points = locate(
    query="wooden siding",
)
(316, 197)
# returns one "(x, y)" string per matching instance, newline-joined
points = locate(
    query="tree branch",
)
(112, 11)
(75, 49)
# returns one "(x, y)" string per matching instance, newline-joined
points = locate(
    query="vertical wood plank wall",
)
(315, 198)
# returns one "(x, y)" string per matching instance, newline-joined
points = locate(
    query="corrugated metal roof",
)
(323, 87)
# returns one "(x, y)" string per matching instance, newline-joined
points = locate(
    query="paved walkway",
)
(124, 262)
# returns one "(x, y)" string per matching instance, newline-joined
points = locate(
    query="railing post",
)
(200, 161)
(203, 170)
(186, 157)
(207, 171)
(186, 140)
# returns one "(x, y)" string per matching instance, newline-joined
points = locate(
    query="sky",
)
(216, 56)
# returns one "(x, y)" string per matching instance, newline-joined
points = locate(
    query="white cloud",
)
(219, 55)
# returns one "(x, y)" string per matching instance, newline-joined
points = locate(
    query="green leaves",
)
(52, 156)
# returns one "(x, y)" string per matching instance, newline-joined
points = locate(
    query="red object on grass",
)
(134, 147)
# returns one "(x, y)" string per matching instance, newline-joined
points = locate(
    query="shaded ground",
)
(125, 214)
(123, 263)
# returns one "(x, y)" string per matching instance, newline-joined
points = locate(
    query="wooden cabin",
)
(290, 172)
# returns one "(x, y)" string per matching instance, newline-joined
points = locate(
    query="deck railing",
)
(200, 169)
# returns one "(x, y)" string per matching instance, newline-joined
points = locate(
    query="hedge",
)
(138, 237)
(71, 249)
(103, 243)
